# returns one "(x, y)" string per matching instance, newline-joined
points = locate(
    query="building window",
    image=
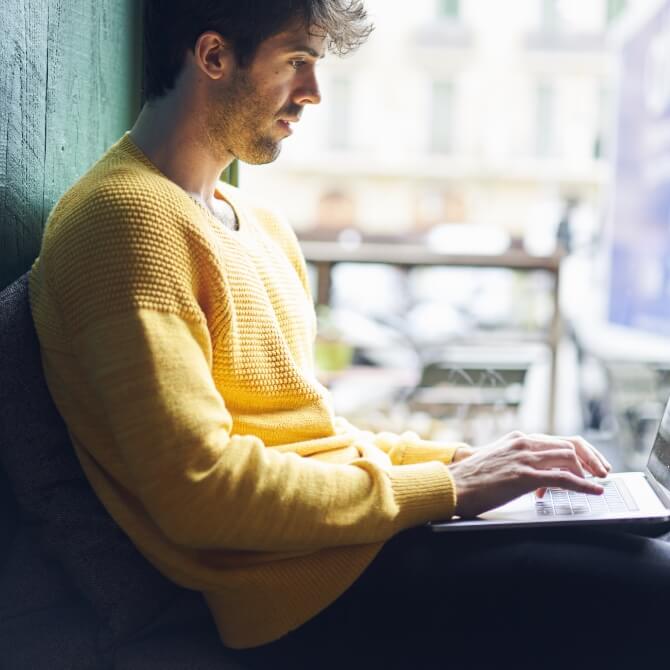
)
(443, 116)
(600, 144)
(340, 114)
(545, 121)
(614, 9)
(550, 16)
(449, 9)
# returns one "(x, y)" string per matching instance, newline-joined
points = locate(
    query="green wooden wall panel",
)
(69, 87)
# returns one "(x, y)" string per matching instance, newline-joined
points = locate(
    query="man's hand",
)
(517, 464)
(464, 451)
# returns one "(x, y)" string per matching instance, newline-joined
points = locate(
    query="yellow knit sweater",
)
(179, 353)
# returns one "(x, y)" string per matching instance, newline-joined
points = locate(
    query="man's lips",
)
(285, 124)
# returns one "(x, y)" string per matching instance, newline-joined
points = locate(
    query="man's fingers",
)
(547, 442)
(589, 456)
(558, 458)
(567, 480)
(595, 462)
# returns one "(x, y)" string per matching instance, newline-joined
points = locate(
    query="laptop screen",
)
(659, 460)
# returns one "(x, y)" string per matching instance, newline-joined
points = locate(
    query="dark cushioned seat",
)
(43, 623)
(74, 590)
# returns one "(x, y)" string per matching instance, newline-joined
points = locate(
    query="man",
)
(176, 327)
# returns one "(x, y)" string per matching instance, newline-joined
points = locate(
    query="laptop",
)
(630, 497)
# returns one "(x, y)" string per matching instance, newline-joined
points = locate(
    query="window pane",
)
(443, 103)
(449, 8)
(340, 114)
(614, 8)
(545, 101)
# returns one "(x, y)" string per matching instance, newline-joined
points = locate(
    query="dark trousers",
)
(504, 599)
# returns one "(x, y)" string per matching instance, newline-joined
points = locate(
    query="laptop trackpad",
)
(518, 509)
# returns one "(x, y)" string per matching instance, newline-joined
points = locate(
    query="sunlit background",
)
(483, 198)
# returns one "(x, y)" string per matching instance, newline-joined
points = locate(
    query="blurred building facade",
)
(460, 111)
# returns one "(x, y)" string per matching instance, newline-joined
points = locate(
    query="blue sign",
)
(640, 255)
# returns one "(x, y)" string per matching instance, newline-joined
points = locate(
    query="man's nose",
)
(308, 92)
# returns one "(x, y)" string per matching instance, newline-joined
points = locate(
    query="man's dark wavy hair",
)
(171, 27)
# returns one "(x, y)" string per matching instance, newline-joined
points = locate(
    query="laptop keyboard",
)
(560, 502)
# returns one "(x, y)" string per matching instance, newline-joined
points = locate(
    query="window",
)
(441, 140)
(340, 114)
(614, 9)
(550, 17)
(600, 144)
(544, 119)
(449, 9)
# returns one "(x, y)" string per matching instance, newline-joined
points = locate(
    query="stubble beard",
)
(235, 124)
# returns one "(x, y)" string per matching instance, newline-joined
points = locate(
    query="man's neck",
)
(172, 138)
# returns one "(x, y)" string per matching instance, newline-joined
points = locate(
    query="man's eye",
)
(296, 63)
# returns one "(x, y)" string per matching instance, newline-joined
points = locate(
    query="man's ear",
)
(213, 55)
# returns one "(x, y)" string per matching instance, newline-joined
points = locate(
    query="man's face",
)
(250, 113)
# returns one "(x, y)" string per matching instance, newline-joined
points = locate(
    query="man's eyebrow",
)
(308, 50)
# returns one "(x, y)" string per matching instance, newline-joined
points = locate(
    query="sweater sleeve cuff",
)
(425, 450)
(424, 492)
(409, 448)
